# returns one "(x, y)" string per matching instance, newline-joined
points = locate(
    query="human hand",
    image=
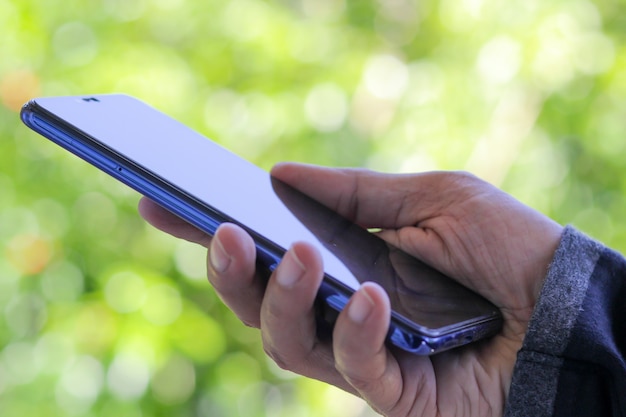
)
(455, 222)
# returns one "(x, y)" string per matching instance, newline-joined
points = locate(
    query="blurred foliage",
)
(102, 316)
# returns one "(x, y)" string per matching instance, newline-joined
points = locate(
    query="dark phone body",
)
(207, 185)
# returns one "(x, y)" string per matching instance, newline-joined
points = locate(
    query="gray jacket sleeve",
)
(572, 359)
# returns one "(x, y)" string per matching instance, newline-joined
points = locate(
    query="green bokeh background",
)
(100, 315)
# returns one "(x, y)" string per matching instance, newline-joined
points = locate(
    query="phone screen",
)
(154, 153)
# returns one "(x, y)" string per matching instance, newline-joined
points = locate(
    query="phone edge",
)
(332, 294)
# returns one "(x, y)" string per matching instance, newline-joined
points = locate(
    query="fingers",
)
(284, 310)
(368, 198)
(396, 383)
(288, 319)
(360, 352)
(231, 270)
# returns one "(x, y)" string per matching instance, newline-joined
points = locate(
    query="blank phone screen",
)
(249, 196)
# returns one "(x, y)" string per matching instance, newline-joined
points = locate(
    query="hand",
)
(453, 221)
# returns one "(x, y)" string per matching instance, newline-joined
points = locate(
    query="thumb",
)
(368, 198)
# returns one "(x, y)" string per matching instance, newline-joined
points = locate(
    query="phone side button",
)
(48, 131)
(332, 306)
(337, 301)
(409, 342)
(327, 308)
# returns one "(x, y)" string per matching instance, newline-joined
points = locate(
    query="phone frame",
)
(332, 295)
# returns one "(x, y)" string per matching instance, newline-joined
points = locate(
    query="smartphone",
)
(206, 185)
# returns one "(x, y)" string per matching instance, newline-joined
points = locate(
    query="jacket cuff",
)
(536, 372)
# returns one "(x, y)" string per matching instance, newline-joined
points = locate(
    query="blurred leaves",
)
(101, 315)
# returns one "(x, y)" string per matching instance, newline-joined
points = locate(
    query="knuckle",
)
(465, 184)
(254, 324)
(295, 359)
(360, 384)
(280, 360)
(464, 174)
(463, 178)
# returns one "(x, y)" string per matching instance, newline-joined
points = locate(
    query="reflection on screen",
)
(417, 291)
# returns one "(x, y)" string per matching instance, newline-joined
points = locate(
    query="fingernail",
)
(290, 270)
(361, 306)
(220, 259)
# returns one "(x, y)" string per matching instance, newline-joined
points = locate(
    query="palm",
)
(473, 381)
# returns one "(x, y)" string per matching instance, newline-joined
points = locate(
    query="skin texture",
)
(453, 221)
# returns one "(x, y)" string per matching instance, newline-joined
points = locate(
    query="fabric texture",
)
(572, 359)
